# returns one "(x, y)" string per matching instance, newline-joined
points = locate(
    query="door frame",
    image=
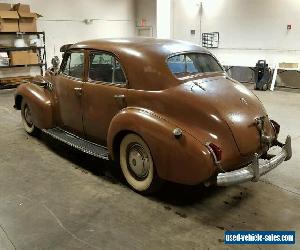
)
(85, 64)
(87, 80)
(79, 81)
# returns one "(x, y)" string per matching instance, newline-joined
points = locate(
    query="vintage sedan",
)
(162, 109)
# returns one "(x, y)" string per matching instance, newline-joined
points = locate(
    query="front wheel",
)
(137, 165)
(27, 120)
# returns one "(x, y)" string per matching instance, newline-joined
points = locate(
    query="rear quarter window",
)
(193, 63)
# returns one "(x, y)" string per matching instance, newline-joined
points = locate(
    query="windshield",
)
(193, 63)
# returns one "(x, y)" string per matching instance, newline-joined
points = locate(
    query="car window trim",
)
(68, 53)
(64, 61)
(122, 85)
(72, 78)
(196, 52)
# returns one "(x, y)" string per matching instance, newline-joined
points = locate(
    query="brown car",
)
(163, 109)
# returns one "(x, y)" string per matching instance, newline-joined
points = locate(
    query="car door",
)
(104, 94)
(68, 85)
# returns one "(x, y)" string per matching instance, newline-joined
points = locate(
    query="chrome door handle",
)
(121, 100)
(78, 91)
(119, 96)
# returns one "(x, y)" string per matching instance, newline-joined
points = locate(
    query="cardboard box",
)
(33, 58)
(5, 6)
(27, 19)
(18, 57)
(21, 7)
(9, 21)
(23, 57)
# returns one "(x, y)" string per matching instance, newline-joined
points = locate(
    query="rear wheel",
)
(265, 87)
(27, 121)
(137, 165)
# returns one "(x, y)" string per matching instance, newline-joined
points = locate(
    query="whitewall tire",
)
(137, 165)
(27, 119)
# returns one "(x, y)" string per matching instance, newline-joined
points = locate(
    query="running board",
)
(78, 143)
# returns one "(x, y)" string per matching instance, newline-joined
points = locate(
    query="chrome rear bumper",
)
(254, 170)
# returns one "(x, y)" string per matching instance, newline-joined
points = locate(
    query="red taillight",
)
(275, 126)
(217, 152)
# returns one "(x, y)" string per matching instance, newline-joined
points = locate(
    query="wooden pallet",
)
(14, 81)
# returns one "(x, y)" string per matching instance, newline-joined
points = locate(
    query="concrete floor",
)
(52, 197)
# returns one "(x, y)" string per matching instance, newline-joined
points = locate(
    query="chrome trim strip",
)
(212, 153)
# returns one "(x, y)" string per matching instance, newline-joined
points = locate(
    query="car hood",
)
(217, 102)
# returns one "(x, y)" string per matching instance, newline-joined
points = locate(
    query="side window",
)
(177, 64)
(66, 65)
(190, 65)
(75, 65)
(119, 76)
(193, 63)
(105, 67)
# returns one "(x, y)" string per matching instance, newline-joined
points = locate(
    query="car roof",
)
(163, 47)
(143, 59)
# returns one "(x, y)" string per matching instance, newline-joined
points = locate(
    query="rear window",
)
(193, 63)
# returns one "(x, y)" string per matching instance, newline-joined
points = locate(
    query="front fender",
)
(184, 160)
(39, 102)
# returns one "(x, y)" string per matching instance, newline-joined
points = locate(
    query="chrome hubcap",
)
(27, 116)
(138, 161)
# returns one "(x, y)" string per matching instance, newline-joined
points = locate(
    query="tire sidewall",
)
(265, 87)
(28, 129)
(138, 185)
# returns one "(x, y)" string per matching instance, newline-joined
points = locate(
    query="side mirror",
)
(55, 64)
(43, 83)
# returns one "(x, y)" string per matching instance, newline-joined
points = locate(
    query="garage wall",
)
(146, 10)
(249, 30)
(186, 17)
(63, 20)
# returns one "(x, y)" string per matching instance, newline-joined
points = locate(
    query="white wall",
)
(249, 30)
(186, 17)
(164, 16)
(146, 10)
(62, 21)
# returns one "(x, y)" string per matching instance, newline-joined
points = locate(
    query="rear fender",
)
(39, 101)
(184, 160)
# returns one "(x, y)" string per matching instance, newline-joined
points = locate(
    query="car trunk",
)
(238, 106)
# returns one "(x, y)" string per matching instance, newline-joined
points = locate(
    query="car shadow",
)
(184, 195)
(172, 194)
(82, 161)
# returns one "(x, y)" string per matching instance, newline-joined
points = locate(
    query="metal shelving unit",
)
(24, 65)
(41, 50)
(19, 48)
